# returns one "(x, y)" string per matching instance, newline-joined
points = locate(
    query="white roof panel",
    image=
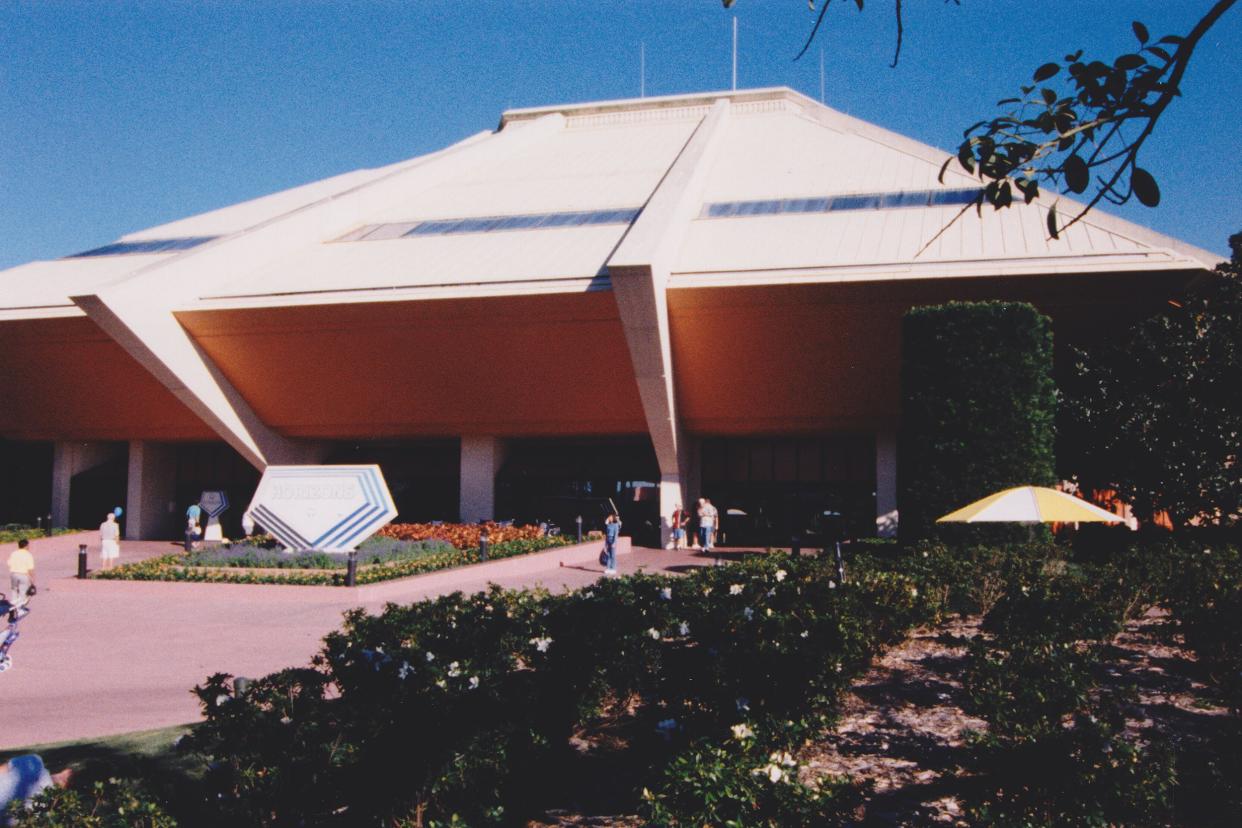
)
(49, 284)
(467, 258)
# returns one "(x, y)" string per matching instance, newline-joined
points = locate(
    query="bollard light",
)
(49, 526)
(81, 560)
(351, 568)
(484, 536)
(240, 685)
(795, 548)
(578, 520)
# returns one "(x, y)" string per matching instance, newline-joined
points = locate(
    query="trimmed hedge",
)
(977, 411)
(178, 567)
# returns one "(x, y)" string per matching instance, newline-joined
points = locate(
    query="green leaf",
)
(1049, 96)
(1145, 188)
(1129, 62)
(1046, 71)
(1076, 174)
(1140, 31)
(1052, 221)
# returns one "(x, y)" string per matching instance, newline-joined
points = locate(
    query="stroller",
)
(9, 634)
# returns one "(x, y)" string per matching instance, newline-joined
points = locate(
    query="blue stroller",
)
(9, 634)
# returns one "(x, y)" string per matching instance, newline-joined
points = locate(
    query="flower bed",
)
(12, 532)
(380, 559)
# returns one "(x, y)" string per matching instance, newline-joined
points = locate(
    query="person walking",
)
(713, 517)
(679, 522)
(109, 541)
(705, 524)
(612, 530)
(21, 572)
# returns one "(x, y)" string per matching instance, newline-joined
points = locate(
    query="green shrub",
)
(977, 410)
(111, 804)
(739, 783)
(1085, 774)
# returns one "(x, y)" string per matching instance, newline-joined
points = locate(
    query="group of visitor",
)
(707, 522)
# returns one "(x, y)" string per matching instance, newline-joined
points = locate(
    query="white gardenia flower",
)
(780, 575)
(404, 671)
(749, 613)
(454, 670)
(431, 656)
(772, 772)
(654, 633)
(806, 633)
(683, 628)
(474, 682)
(735, 589)
(541, 644)
(914, 592)
(743, 704)
(667, 593)
(832, 584)
(442, 684)
(742, 731)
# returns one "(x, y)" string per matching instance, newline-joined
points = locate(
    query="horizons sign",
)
(326, 508)
(214, 503)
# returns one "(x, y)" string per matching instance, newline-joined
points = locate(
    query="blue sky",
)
(119, 116)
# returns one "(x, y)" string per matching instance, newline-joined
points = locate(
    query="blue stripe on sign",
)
(374, 504)
(357, 526)
(336, 527)
(283, 532)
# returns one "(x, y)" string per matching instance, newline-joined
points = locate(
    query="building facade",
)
(642, 300)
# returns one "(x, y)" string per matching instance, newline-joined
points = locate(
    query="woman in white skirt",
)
(109, 541)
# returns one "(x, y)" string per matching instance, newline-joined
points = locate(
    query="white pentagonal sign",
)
(327, 508)
(214, 503)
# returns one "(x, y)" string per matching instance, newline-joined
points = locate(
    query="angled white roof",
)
(546, 165)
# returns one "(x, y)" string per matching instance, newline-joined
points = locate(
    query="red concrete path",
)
(103, 657)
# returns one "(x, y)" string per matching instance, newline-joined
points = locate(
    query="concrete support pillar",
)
(480, 463)
(70, 457)
(886, 484)
(151, 488)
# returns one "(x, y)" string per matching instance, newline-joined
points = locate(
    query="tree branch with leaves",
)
(1094, 129)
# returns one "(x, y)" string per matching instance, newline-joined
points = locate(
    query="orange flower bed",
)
(461, 535)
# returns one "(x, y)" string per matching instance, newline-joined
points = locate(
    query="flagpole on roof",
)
(735, 53)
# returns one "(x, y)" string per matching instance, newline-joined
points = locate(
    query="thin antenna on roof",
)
(735, 53)
(642, 69)
(821, 74)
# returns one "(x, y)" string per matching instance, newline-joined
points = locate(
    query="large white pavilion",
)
(701, 292)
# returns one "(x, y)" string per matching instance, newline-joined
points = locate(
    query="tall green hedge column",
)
(978, 407)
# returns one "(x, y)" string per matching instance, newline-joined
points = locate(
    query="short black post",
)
(795, 548)
(240, 685)
(484, 536)
(39, 522)
(578, 521)
(351, 568)
(81, 560)
(49, 526)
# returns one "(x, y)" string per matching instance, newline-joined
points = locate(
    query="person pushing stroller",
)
(10, 615)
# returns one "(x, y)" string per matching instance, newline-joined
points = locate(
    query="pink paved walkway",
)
(103, 657)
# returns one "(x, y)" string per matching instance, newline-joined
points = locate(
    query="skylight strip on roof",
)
(492, 224)
(144, 246)
(841, 203)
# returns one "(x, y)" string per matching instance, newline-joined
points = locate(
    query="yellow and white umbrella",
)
(1030, 504)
